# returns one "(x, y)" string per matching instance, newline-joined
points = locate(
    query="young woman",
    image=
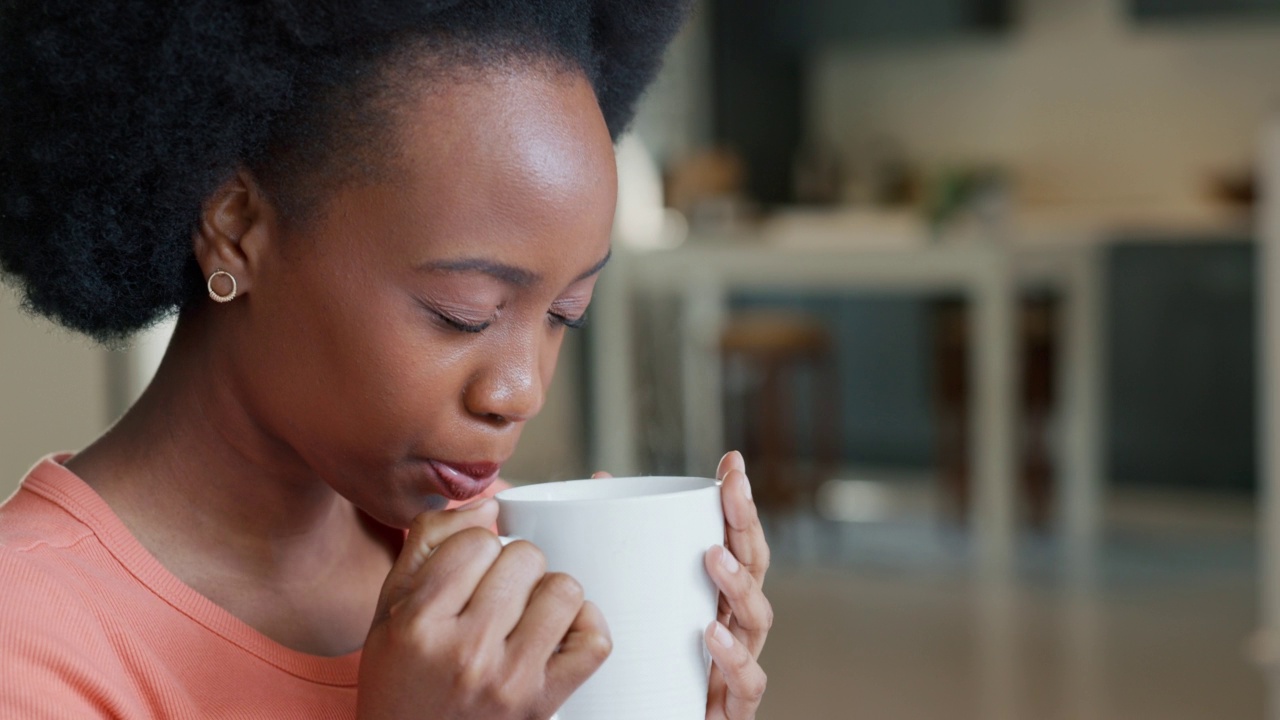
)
(377, 220)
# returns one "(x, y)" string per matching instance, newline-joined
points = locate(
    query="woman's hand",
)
(466, 628)
(737, 637)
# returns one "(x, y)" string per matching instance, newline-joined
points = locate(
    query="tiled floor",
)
(882, 621)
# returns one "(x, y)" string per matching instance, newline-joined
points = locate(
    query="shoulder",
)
(58, 659)
(30, 522)
(51, 567)
(42, 598)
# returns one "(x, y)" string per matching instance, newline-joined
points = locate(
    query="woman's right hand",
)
(466, 628)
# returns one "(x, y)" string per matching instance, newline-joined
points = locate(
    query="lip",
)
(463, 481)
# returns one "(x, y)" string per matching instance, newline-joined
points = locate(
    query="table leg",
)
(1082, 391)
(704, 312)
(995, 382)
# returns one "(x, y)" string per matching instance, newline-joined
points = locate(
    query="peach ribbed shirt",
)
(92, 626)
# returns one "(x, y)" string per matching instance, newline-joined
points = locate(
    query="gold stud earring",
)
(218, 297)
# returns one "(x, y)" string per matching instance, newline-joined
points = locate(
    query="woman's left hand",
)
(737, 637)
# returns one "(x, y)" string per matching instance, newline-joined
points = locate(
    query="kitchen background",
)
(1046, 509)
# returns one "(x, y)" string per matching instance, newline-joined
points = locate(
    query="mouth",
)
(462, 481)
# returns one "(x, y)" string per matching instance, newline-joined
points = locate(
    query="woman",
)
(377, 221)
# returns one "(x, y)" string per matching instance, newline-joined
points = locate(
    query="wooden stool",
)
(1037, 321)
(770, 346)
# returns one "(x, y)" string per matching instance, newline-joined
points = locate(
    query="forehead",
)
(516, 167)
(512, 145)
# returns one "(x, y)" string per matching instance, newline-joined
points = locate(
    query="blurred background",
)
(980, 287)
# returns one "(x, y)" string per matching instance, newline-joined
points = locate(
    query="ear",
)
(236, 226)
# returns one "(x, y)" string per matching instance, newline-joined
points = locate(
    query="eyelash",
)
(557, 320)
(461, 326)
(572, 324)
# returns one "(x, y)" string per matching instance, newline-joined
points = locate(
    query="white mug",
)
(637, 546)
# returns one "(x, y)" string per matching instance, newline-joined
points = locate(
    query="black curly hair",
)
(118, 119)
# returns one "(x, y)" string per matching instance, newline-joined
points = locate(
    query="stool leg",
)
(951, 407)
(773, 443)
(1038, 380)
(828, 408)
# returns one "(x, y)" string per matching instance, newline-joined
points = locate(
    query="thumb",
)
(427, 532)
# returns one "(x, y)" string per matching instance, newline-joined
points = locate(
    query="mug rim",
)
(513, 494)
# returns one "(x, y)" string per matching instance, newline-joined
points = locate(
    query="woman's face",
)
(399, 342)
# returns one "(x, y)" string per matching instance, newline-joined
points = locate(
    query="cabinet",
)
(865, 21)
(1203, 9)
(759, 53)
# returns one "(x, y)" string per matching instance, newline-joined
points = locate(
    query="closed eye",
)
(572, 323)
(462, 326)
(453, 321)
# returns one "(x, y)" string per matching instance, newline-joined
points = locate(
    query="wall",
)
(52, 390)
(1082, 104)
(674, 116)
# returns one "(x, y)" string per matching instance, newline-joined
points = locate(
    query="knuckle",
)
(598, 646)
(766, 613)
(755, 686)
(563, 588)
(410, 626)
(474, 539)
(512, 692)
(473, 667)
(527, 554)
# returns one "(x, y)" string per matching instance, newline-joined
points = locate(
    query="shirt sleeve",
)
(56, 660)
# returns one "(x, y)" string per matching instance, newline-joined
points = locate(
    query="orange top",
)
(93, 626)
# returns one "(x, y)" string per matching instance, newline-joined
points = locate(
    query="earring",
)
(215, 294)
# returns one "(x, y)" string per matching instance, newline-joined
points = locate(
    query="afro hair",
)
(118, 119)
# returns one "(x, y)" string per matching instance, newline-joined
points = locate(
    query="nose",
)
(510, 387)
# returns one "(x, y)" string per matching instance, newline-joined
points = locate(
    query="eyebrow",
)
(508, 274)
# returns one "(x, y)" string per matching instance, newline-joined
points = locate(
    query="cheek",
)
(341, 369)
(550, 357)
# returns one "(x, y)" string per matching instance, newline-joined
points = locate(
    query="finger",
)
(744, 535)
(732, 460)
(600, 474)
(503, 593)
(439, 526)
(586, 646)
(555, 604)
(717, 693)
(744, 680)
(752, 614)
(447, 580)
(428, 530)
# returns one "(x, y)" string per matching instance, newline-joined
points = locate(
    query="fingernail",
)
(476, 503)
(723, 636)
(727, 559)
(746, 487)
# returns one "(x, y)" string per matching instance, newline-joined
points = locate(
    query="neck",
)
(191, 474)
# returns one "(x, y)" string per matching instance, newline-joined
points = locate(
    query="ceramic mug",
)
(636, 545)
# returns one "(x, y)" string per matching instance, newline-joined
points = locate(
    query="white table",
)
(1060, 248)
(704, 276)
